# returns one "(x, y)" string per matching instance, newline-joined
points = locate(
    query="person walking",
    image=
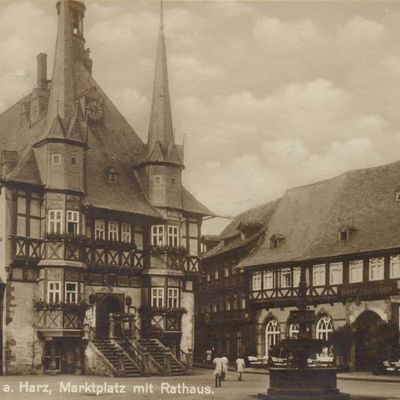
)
(225, 362)
(240, 367)
(218, 369)
(208, 356)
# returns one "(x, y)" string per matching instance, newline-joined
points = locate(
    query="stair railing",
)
(186, 358)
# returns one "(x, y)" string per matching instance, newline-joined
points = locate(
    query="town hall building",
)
(99, 240)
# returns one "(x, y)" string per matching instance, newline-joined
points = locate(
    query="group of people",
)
(221, 369)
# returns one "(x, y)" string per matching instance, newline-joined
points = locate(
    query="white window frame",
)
(113, 234)
(73, 217)
(173, 297)
(376, 268)
(356, 271)
(55, 221)
(157, 297)
(256, 281)
(293, 330)
(336, 273)
(100, 229)
(319, 275)
(158, 235)
(296, 276)
(126, 233)
(268, 278)
(69, 292)
(272, 335)
(54, 292)
(173, 235)
(324, 328)
(395, 266)
(285, 277)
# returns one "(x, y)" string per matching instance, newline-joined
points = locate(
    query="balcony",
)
(60, 319)
(161, 319)
(175, 258)
(27, 250)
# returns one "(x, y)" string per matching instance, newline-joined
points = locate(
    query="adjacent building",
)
(343, 232)
(99, 239)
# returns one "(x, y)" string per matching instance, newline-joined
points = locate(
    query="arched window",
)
(293, 331)
(324, 328)
(272, 335)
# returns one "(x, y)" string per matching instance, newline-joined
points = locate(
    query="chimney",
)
(42, 71)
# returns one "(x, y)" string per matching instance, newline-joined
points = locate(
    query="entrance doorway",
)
(362, 325)
(106, 304)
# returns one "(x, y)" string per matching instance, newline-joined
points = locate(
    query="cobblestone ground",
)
(28, 387)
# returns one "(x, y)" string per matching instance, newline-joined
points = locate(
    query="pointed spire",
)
(62, 91)
(160, 129)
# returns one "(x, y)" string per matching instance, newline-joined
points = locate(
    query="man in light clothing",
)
(240, 367)
(218, 370)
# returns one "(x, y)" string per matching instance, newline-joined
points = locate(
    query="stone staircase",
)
(118, 358)
(163, 356)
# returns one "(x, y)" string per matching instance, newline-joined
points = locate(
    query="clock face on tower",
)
(94, 108)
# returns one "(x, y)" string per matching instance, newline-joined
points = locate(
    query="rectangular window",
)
(56, 159)
(173, 298)
(336, 273)
(216, 276)
(256, 281)
(173, 236)
(296, 276)
(73, 222)
(157, 179)
(228, 305)
(395, 266)
(138, 236)
(99, 229)
(268, 279)
(157, 235)
(286, 277)
(126, 235)
(71, 292)
(226, 272)
(356, 271)
(113, 231)
(54, 292)
(319, 277)
(55, 221)
(157, 297)
(376, 268)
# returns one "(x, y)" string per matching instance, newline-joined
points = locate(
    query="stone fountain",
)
(299, 381)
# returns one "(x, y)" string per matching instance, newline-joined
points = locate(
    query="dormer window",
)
(397, 196)
(112, 175)
(276, 240)
(344, 235)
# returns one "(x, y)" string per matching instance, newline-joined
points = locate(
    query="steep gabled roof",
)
(310, 217)
(26, 171)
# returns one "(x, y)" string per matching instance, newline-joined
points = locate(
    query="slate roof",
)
(310, 217)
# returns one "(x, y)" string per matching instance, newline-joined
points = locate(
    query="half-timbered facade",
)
(99, 245)
(343, 233)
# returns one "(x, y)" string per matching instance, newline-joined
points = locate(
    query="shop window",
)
(336, 273)
(157, 235)
(272, 335)
(73, 222)
(395, 266)
(55, 223)
(324, 328)
(71, 292)
(99, 229)
(113, 231)
(47, 357)
(157, 297)
(173, 298)
(356, 268)
(53, 292)
(376, 268)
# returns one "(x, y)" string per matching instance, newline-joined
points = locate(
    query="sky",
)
(265, 95)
